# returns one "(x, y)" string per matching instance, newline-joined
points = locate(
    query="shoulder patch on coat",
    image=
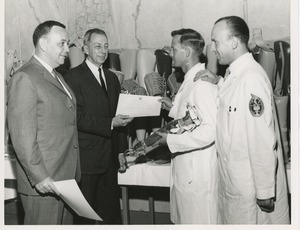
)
(256, 106)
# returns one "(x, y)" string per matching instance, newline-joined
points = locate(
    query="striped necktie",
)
(56, 76)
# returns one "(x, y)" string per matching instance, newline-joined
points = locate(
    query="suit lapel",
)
(109, 83)
(68, 88)
(48, 76)
(90, 79)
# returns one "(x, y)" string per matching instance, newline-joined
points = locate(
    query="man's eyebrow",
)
(106, 43)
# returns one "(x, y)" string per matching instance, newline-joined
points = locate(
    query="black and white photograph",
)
(157, 114)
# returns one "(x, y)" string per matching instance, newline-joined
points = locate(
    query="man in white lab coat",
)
(252, 187)
(193, 189)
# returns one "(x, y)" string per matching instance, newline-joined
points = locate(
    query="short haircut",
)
(237, 26)
(192, 38)
(43, 29)
(89, 33)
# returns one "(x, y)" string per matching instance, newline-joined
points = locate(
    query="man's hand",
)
(122, 162)
(121, 120)
(168, 49)
(266, 205)
(206, 75)
(47, 186)
(162, 140)
(166, 103)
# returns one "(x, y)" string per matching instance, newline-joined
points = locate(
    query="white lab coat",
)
(193, 193)
(246, 148)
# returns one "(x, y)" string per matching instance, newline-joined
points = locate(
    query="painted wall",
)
(138, 23)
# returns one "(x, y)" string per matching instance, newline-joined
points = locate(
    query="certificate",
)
(71, 194)
(138, 106)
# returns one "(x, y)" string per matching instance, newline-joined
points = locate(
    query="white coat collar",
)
(189, 76)
(239, 63)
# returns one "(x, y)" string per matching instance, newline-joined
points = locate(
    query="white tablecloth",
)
(9, 175)
(10, 168)
(147, 174)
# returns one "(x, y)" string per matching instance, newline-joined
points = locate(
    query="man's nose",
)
(212, 47)
(66, 47)
(171, 53)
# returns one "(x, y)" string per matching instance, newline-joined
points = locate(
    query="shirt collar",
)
(48, 67)
(92, 66)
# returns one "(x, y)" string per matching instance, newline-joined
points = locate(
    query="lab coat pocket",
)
(183, 166)
(201, 170)
(231, 117)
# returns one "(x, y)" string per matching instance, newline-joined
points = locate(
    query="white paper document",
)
(72, 195)
(138, 106)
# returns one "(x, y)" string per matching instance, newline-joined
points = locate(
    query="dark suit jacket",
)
(42, 124)
(95, 110)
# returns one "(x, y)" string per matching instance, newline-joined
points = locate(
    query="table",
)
(147, 174)
(10, 189)
(153, 175)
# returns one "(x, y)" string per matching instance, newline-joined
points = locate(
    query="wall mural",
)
(89, 14)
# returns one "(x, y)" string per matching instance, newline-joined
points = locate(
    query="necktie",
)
(55, 74)
(101, 80)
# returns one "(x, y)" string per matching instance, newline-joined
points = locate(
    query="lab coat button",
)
(75, 146)
(70, 105)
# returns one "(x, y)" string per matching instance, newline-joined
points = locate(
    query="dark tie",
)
(101, 80)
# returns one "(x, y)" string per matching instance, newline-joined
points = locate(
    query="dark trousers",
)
(45, 210)
(103, 194)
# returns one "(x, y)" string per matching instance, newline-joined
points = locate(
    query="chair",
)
(113, 62)
(282, 99)
(145, 64)
(163, 63)
(128, 63)
(76, 56)
(282, 56)
(266, 59)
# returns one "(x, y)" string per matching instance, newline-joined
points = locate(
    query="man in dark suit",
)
(42, 124)
(101, 137)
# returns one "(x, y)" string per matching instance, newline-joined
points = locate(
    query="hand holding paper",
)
(121, 120)
(71, 194)
(138, 106)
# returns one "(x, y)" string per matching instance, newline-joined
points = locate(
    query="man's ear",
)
(234, 43)
(85, 49)
(187, 51)
(43, 43)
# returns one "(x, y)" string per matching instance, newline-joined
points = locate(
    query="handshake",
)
(188, 123)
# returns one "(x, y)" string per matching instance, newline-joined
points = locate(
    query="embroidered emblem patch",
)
(256, 106)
